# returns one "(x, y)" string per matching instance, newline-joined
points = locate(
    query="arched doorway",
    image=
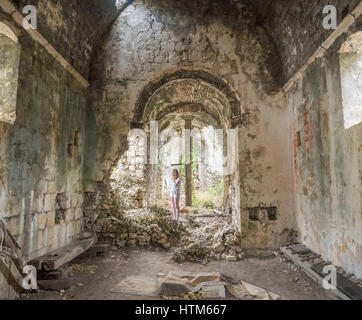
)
(197, 111)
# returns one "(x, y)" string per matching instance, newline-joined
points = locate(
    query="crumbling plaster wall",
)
(41, 153)
(152, 37)
(327, 164)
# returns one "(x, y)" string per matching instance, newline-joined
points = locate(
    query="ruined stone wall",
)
(9, 64)
(41, 153)
(327, 164)
(151, 38)
(128, 176)
(69, 24)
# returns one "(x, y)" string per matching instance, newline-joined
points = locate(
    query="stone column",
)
(202, 164)
(188, 168)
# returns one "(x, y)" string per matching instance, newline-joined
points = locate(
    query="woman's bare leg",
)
(177, 208)
(173, 201)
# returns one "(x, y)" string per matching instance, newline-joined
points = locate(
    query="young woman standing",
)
(175, 194)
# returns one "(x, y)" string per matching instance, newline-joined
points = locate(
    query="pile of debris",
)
(199, 237)
(129, 190)
(187, 285)
(142, 228)
(213, 237)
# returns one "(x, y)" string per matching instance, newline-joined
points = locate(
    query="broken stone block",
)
(231, 258)
(212, 289)
(228, 231)
(141, 238)
(241, 255)
(49, 275)
(237, 249)
(99, 250)
(155, 228)
(214, 292)
(181, 275)
(259, 293)
(174, 287)
(123, 236)
(162, 241)
(54, 285)
(121, 243)
(239, 291)
(166, 245)
(218, 247)
(216, 256)
(206, 276)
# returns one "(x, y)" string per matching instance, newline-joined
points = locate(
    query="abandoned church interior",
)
(256, 103)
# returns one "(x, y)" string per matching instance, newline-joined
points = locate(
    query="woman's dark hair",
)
(175, 170)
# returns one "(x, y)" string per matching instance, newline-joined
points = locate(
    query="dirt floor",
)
(99, 275)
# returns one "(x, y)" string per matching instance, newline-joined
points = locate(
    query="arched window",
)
(9, 73)
(350, 56)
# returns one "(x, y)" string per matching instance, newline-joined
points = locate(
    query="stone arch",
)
(202, 115)
(9, 73)
(201, 83)
(177, 96)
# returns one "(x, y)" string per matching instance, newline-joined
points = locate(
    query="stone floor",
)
(103, 274)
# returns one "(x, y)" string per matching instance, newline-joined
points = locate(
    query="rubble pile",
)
(198, 237)
(212, 237)
(129, 191)
(142, 228)
(194, 252)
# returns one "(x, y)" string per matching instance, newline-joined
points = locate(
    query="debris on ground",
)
(199, 236)
(137, 285)
(193, 252)
(211, 236)
(84, 268)
(191, 286)
(139, 227)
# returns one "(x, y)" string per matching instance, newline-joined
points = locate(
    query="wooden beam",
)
(54, 260)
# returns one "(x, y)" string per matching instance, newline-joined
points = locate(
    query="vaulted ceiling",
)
(76, 28)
